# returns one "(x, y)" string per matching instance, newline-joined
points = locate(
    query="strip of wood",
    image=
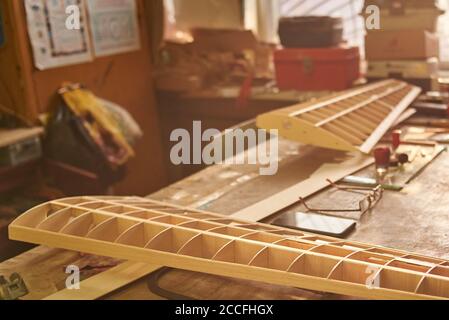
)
(9, 137)
(304, 189)
(106, 282)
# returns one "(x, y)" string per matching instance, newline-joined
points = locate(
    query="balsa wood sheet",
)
(152, 232)
(352, 120)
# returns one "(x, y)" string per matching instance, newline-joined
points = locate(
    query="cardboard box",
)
(403, 69)
(410, 19)
(402, 45)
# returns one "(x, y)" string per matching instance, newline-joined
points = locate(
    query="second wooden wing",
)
(354, 120)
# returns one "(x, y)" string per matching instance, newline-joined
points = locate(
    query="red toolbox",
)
(317, 69)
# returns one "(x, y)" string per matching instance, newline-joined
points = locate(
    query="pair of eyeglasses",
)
(371, 197)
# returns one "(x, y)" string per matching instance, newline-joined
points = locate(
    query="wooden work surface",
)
(415, 219)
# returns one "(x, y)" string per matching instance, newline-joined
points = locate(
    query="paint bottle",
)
(382, 157)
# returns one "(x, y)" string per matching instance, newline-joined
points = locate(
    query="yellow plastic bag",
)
(99, 123)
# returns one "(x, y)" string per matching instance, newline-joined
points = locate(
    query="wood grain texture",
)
(16, 83)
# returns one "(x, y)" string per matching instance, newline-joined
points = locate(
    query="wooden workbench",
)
(415, 219)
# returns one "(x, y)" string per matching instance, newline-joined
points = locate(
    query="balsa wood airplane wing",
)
(148, 231)
(349, 121)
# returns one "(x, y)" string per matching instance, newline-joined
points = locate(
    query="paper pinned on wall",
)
(114, 26)
(55, 45)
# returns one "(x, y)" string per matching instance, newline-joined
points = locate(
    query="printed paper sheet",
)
(54, 45)
(114, 26)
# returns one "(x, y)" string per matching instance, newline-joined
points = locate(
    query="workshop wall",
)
(125, 79)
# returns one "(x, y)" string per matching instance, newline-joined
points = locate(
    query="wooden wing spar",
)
(147, 231)
(353, 120)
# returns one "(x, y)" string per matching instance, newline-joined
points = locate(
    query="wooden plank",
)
(315, 183)
(9, 137)
(235, 248)
(106, 282)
